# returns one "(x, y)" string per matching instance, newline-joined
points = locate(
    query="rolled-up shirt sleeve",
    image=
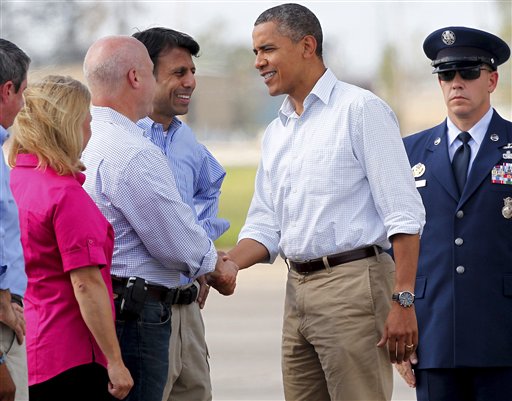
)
(81, 231)
(206, 198)
(379, 147)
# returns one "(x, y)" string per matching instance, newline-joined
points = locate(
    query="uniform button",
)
(460, 214)
(459, 241)
(460, 269)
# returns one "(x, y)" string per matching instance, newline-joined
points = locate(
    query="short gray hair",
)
(294, 21)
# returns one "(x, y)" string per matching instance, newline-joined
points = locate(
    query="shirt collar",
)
(147, 124)
(4, 134)
(31, 160)
(322, 91)
(477, 132)
(110, 115)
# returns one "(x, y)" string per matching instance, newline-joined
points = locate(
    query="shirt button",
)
(91, 241)
(459, 241)
(460, 214)
(460, 269)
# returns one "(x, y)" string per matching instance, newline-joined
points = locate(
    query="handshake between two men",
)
(223, 278)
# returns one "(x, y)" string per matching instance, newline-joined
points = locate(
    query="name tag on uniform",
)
(421, 183)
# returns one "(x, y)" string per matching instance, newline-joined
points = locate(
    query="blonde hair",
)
(50, 124)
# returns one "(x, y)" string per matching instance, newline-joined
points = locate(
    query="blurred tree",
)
(505, 32)
(64, 29)
(390, 77)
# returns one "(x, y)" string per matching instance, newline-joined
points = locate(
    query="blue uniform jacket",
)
(464, 280)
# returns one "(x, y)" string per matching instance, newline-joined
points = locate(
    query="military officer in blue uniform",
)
(463, 171)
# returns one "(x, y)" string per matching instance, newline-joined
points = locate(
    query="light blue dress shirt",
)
(333, 179)
(156, 234)
(197, 173)
(12, 264)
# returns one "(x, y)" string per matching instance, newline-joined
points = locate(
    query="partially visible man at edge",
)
(198, 176)
(14, 65)
(156, 234)
(333, 188)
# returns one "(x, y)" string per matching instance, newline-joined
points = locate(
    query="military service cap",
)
(457, 47)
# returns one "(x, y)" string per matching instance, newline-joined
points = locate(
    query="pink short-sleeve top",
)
(61, 230)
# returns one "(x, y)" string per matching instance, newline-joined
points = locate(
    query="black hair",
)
(294, 21)
(159, 40)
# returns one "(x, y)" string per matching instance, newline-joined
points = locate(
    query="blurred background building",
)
(375, 44)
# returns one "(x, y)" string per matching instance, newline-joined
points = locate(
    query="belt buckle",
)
(172, 296)
(305, 261)
(176, 296)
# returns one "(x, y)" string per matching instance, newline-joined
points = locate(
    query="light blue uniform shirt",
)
(129, 178)
(197, 173)
(333, 179)
(477, 133)
(12, 264)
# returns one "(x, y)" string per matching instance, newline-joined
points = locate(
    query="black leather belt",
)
(168, 296)
(17, 299)
(313, 265)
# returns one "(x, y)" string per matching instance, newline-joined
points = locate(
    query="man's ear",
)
(7, 89)
(493, 81)
(133, 78)
(310, 46)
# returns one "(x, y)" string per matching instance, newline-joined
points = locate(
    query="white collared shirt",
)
(333, 179)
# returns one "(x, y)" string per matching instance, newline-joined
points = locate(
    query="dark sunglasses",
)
(467, 75)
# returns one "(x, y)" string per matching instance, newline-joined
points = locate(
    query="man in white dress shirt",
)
(333, 189)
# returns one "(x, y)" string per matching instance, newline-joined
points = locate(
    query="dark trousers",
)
(144, 345)
(464, 384)
(82, 383)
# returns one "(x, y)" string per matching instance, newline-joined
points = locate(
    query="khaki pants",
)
(15, 360)
(189, 371)
(332, 322)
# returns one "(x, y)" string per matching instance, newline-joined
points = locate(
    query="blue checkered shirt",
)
(156, 234)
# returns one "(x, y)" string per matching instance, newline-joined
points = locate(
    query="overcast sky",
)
(356, 30)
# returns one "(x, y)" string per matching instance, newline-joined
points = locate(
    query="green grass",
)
(235, 199)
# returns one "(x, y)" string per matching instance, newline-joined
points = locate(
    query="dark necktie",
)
(460, 162)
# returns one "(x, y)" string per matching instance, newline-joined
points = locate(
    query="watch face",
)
(406, 299)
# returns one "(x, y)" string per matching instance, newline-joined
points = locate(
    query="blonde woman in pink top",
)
(72, 348)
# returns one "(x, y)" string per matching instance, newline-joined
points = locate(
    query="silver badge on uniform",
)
(437, 141)
(507, 155)
(494, 137)
(448, 38)
(507, 146)
(507, 209)
(418, 170)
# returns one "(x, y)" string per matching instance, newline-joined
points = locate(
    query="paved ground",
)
(244, 333)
